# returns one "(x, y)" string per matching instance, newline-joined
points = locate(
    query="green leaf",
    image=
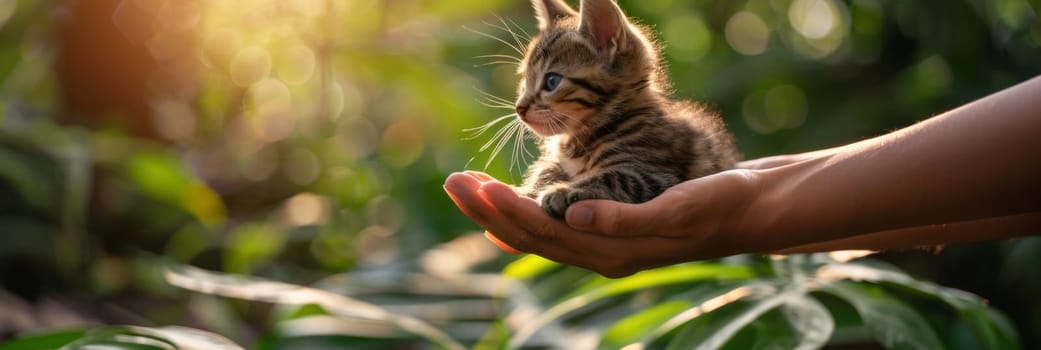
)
(990, 328)
(637, 326)
(163, 177)
(48, 340)
(958, 299)
(251, 245)
(891, 322)
(258, 289)
(662, 277)
(810, 320)
(161, 338)
(646, 326)
(528, 267)
(730, 320)
(603, 288)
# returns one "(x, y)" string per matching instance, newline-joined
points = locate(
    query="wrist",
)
(741, 203)
(776, 215)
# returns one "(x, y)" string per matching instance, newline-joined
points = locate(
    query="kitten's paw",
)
(555, 201)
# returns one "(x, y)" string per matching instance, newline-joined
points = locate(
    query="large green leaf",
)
(891, 322)
(733, 318)
(604, 288)
(811, 321)
(991, 329)
(648, 325)
(253, 288)
(637, 326)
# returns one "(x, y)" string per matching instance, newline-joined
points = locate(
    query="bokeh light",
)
(688, 38)
(305, 209)
(747, 33)
(822, 26)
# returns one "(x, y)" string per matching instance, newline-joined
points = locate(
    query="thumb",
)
(612, 218)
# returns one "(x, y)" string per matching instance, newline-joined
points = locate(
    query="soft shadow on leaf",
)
(161, 338)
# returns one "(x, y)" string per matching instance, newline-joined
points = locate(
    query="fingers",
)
(465, 191)
(523, 211)
(615, 218)
(499, 243)
(518, 224)
(462, 189)
(482, 177)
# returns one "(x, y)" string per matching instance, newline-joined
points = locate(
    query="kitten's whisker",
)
(507, 133)
(497, 136)
(494, 98)
(516, 38)
(582, 127)
(525, 35)
(519, 149)
(495, 104)
(555, 124)
(511, 58)
(501, 40)
(480, 130)
(509, 63)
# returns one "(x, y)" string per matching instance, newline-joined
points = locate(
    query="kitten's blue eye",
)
(551, 81)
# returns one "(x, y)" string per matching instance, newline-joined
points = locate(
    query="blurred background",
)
(296, 139)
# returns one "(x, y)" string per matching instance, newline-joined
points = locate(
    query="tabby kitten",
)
(594, 90)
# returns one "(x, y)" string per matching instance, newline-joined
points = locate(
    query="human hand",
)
(695, 220)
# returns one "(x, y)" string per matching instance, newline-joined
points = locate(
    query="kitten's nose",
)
(521, 110)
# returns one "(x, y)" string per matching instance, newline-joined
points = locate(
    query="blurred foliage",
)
(796, 302)
(302, 139)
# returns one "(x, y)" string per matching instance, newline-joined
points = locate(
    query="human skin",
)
(970, 174)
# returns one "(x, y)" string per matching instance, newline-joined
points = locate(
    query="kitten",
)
(594, 90)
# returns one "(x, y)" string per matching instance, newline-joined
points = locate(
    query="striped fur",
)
(609, 128)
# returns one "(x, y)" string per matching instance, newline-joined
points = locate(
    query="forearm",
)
(933, 235)
(977, 161)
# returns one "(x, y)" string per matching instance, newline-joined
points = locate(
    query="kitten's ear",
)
(548, 12)
(605, 24)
